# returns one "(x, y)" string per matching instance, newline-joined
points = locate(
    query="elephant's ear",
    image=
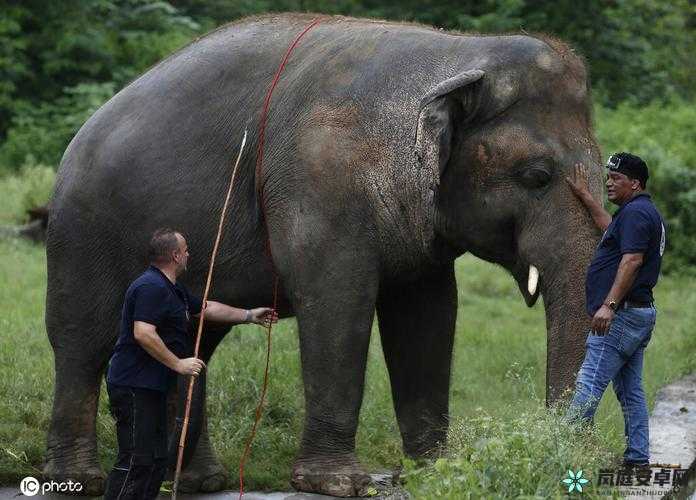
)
(453, 102)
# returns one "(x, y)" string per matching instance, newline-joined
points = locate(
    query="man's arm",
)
(146, 335)
(580, 188)
(216, 311)
(625, 276)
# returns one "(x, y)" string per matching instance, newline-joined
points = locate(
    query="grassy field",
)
(504, 443)
(497, 380)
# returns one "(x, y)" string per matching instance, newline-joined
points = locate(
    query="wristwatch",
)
(248, 316)
(611, 304)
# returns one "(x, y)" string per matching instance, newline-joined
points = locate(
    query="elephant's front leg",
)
(416, 323)
(334, 303)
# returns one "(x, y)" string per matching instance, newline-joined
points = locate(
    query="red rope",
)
(267, 102)
(259, 165)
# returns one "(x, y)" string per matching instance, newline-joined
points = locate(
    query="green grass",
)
(497, 387)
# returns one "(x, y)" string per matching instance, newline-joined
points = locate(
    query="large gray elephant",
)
(390, 150)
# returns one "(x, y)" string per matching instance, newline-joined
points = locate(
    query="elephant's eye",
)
(535, 177)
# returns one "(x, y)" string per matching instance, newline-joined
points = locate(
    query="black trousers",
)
(141, 432)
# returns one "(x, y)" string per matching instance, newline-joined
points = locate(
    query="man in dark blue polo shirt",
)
(619, 284)
(152, 348)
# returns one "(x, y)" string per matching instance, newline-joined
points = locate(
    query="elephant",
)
(390, 150)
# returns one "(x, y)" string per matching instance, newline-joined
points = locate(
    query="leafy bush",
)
(41, 133)
(512, 456)
(61, 60)
(664, 135)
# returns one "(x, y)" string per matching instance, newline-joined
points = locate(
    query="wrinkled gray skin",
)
(390, 150)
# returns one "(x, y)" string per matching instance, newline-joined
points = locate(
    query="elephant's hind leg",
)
(202, 470)
(83, 304)
(416, 323)
(205, 472)
(71, 447)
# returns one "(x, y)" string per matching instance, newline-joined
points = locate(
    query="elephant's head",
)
(499, 140)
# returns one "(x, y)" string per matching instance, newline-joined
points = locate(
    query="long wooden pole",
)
(192, 379)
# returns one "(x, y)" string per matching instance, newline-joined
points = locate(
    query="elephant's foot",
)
(425, 452)
(203, 476)
(76, 462)
(341, 476)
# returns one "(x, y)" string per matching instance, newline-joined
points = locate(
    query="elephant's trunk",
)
(563, 290)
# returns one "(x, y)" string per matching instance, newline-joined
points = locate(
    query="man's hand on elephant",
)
(602, 320)
(264, 316)
(580, 183)
(190, 366)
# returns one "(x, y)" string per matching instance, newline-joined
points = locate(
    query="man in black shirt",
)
(151, 350)
(619, 284)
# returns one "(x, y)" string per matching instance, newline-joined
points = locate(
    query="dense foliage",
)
(637, 50)
(61, 59)
(665, 136)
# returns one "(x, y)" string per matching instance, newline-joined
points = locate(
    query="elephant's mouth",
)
(528, 280)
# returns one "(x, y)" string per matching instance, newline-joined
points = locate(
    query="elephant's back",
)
(174, 131)
(177, 116)
(189, 110)
(166, 142)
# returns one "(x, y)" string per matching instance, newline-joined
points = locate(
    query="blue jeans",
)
(617, 356)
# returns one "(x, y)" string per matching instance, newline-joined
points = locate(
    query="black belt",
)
(628, 304)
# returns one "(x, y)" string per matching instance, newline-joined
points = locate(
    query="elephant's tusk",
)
(532, 280)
